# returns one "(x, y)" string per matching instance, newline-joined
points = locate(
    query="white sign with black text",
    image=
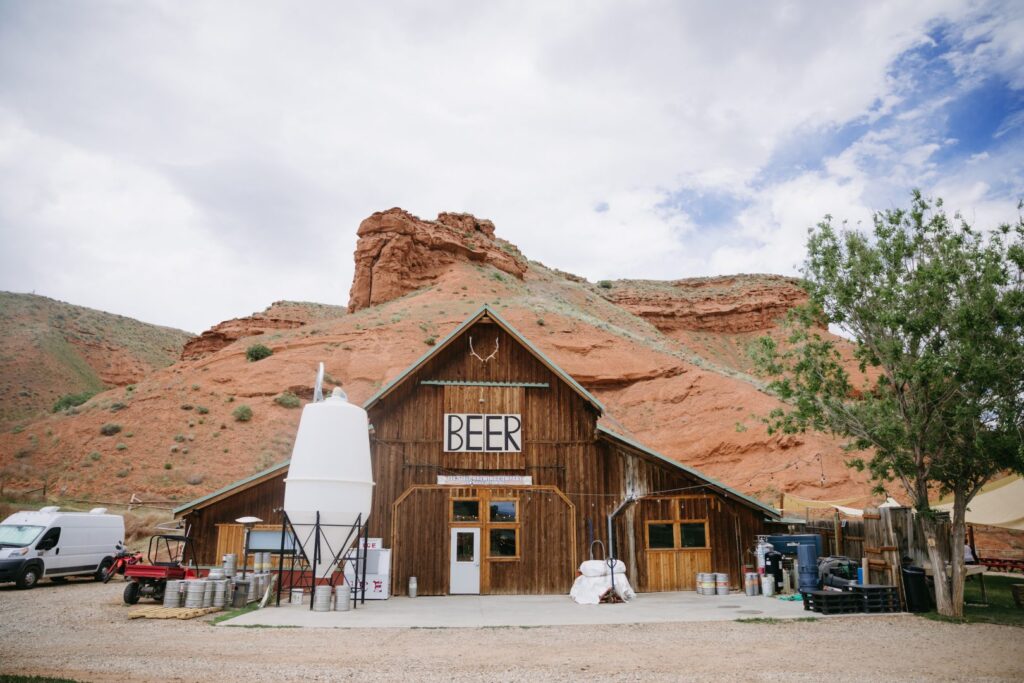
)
(474, 433)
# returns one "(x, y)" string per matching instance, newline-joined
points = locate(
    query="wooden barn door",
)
(676, 537)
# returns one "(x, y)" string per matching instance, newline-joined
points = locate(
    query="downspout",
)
(631, 498)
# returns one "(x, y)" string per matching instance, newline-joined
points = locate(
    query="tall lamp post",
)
(248, 523)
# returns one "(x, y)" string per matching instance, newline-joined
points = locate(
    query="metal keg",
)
(172, 593)
(343, 598)
(296, 595)
(722, 584)
(229, 565)
(208, 593)
(195, 589)
(253, 588)
(220, 593)
(322, 598)
(751, 583)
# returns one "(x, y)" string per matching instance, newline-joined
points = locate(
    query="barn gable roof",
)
(712, 483)
(486, 311)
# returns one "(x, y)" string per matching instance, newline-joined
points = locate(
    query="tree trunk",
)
(943, 601)
(959, 532)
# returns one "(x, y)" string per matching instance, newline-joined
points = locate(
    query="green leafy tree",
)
(935, 312)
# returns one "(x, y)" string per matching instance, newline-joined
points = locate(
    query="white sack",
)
(588, 590)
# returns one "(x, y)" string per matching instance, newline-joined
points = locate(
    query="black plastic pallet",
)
(877, 598)
(833, 602)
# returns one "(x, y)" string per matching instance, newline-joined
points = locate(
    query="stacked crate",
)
(833, 602)
(878, 598)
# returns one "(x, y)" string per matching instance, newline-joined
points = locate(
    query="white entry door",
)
(465, 570)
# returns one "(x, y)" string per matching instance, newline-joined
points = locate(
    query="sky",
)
(184, 163)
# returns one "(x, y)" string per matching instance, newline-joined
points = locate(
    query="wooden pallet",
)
(159, 612)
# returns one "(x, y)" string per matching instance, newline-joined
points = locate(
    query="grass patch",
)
(1000, 609)
(288, 400)
(110, 429)
(242, 413)
(231, 614)
(772, 620)
(71, 400)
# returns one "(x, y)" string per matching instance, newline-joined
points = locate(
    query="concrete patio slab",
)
(477, 611)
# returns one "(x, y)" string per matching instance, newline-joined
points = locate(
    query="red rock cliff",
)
(731, 304)
(398, 253)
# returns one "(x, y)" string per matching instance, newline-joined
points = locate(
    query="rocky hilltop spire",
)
(398, 253)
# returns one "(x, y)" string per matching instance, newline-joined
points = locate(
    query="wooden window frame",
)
(677, 535)
(515, 503)
(503, 558)
(465, 522)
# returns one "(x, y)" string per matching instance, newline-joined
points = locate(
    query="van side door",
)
(48, 548)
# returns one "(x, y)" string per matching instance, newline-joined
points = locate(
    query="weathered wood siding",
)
(262, 500)
(579, 476)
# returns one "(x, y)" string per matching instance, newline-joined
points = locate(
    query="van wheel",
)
(131, 593)
(101, 573)
(29, 576)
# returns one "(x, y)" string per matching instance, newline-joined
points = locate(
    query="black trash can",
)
(916, 589)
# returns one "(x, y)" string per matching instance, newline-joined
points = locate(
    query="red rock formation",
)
(281, 315)
(398, 253)
(729, 304)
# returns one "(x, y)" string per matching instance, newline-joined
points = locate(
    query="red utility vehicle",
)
(164, 562)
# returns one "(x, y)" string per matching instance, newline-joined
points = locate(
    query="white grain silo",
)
(330, 474)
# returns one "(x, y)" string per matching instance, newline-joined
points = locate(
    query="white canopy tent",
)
(1000, 503)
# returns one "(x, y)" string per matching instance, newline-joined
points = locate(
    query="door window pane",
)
(503, 542)
(659, 536)
(464, 546)
(465, 510)
(693, 534)
(503, 511)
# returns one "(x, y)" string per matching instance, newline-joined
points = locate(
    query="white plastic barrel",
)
(330, 473)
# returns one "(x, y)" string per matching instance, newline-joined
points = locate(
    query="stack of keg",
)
(751, 583)
(343, 598)
(208, 593)
(220, 592)
(229, 565)
(712, 583)
(172, 593)
(322, 598)
(195, 589)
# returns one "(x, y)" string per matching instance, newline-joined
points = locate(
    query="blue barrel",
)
(807, 557)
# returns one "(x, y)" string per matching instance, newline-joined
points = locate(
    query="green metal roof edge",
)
(466, 383)
(689, 470)
(224, 489)
(485, 309)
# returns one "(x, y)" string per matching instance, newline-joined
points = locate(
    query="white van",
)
(58, 544)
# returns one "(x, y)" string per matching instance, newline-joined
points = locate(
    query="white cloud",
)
(218, 156)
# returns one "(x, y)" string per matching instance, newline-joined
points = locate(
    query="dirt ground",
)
(81, 631)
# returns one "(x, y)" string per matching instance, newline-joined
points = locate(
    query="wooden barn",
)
(494, 475)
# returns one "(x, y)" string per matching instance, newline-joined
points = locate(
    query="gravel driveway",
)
(81, 631)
